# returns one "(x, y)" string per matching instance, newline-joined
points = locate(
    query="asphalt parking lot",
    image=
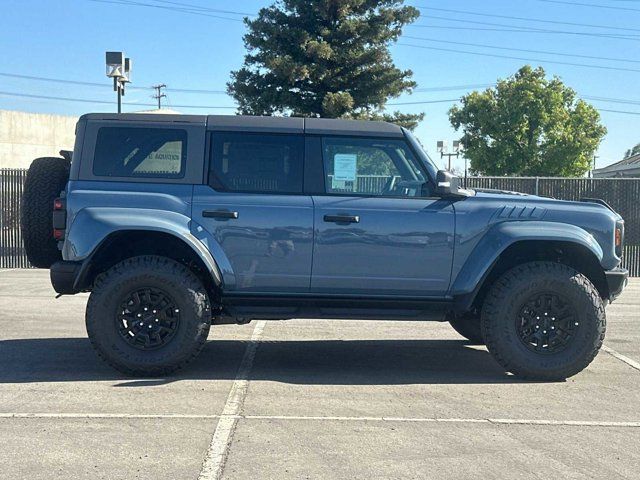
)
(306, 399)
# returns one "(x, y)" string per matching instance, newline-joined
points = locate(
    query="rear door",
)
(378, 229)
(254, 207)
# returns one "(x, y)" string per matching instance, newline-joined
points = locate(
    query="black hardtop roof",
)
(246, 123)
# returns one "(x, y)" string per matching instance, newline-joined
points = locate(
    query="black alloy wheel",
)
(547, 323)
(148, 318)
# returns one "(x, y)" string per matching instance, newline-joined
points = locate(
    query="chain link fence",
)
(622, 194)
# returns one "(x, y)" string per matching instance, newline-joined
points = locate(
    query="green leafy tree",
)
(324, 58)
(528, 125)
(632, 151)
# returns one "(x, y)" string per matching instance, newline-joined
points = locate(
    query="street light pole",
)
(116, 88)
(118, 68)
(442, 148)
(457, 150)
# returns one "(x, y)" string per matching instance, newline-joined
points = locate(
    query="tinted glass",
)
(243, 162)
(140, 152)
(371, 167)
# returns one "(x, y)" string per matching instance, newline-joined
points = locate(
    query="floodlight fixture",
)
(128, 63)
(115, 64)
(118, 68)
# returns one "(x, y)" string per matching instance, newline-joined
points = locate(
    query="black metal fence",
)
(11, 250)
(622, 194)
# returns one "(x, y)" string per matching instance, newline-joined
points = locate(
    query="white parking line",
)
(123, 416)
(223, 434)
(496, 421)
(623, 358)
(336, 418)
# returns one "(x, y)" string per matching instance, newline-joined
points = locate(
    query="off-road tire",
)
(104, 305)
(502, 308)
(46, 178)
(468, 325)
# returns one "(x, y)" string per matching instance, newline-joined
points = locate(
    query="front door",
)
(255, 209)
(378, 231)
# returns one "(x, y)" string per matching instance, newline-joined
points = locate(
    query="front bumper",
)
(616, 280)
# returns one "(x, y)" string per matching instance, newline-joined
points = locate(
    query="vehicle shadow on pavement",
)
(314, 362)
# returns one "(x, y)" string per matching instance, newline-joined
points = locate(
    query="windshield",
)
(422, 155)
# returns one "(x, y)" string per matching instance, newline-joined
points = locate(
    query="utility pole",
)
(159, 95)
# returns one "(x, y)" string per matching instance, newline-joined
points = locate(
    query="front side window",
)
(257, 163)
(140, 152)
(357, 166)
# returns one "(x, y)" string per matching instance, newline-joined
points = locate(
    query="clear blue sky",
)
(67, 39)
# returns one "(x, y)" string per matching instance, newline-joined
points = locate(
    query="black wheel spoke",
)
(148, 318)
(546, 323)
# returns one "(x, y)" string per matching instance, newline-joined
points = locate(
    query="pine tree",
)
(324, 58)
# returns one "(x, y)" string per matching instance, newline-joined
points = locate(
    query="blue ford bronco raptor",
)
(174, 223)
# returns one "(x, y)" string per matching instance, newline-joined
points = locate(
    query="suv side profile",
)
(175, 223)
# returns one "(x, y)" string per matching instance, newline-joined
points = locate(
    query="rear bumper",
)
(64, 276)
(616, 280)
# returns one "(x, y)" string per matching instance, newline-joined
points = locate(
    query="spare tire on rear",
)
(46, 178)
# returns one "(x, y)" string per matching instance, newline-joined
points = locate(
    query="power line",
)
(494, 55)
(424, 102)
(102, 85)
(201, 11)
(173, 9)
(417, 90)
(539, 20)
(87, 100)
(626, 36)
(205, 9)
(205, 91)
(618, 111)
(187, 90)
(612, 100)
(449, 100)
(421, 90)
(454, 87)
(547, 52)
(593, 5)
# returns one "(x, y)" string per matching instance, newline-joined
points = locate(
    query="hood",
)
(495, 191)
(585, 204)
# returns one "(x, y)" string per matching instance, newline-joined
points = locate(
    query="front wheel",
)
(148, 316)
(543, 321)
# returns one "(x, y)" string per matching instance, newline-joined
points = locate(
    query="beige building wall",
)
(26, 136)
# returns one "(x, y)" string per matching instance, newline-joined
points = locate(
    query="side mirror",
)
(447, 184)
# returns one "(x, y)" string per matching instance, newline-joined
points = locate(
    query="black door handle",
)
(221, 214)
(342, 218)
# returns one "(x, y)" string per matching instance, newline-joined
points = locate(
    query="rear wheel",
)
(46, 178)
(148, 316)
(543, 320)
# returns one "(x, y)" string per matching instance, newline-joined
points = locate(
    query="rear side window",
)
(257, 163)
(140, 152)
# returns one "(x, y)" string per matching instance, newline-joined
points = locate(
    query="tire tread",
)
(500, 291)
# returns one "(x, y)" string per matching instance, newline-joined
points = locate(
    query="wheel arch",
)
(504, 248)
(127, 243)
